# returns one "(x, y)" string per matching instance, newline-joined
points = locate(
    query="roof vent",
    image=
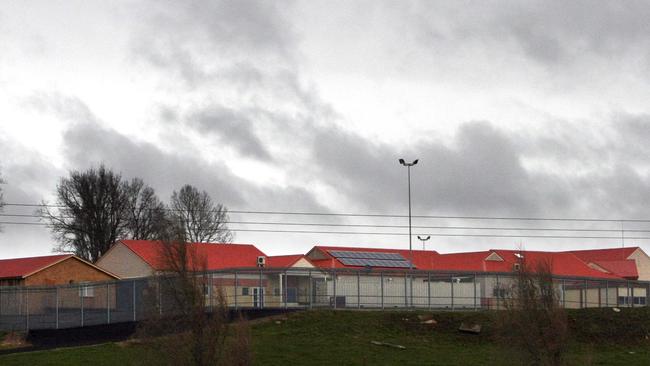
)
(516, 267)
(519, 255)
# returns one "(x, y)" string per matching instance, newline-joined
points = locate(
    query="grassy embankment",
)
(598, 337)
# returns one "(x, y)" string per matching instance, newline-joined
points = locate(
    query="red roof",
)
(422, 259)
(284, 261)
(22, 267)
(217, 256)
(562, 263)
(626, 268)
(614, 260)
(610, 254)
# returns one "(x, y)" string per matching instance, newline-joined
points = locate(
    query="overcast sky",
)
(516, 109)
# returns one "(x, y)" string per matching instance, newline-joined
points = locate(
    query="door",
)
(258, 297)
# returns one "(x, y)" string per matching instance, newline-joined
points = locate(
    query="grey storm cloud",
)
(231, 127)
(481, 171)
(547, 32)
(88, 143)
(204, 41)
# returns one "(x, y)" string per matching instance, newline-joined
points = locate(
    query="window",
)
(245, 291)
(86, 291)
(627, 300)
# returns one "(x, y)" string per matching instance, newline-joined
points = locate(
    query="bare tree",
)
(145, 213)
(195, 321)
(534, 325)
(89, 215)
(202, 219)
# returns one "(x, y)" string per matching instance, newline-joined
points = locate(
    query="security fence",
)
(85, 304)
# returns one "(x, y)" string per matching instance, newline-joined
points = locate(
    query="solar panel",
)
(375, 262)
(367, 255)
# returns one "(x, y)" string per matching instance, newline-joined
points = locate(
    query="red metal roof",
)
(217, 256)
(422, 259)
(614, 260)
(563, 263)
(22, 267)
(284, 261)
(610, 254)
(626, 268)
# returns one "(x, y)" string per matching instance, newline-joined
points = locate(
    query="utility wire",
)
(514, 218)
(394, 233)
(401, 226)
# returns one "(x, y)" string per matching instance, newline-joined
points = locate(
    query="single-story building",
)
(35, 275)
(61, 269)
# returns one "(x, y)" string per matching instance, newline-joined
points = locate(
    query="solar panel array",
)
(371, 259)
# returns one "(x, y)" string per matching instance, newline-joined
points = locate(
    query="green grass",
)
(600, 337)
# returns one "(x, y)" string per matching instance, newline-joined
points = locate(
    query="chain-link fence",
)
(79, 305)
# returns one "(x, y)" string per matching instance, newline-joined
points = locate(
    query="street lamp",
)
(424, 239)
(408, 168)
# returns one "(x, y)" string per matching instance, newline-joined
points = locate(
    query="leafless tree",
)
(195, 320)
(534, 325)
(202, 219)
(145, 213)
(89, 214)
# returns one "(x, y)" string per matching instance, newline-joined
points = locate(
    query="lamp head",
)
(401, 161)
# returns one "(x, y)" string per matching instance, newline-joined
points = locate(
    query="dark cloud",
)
(205, 41)
(480, 170)
(231, 127)
(551, 33)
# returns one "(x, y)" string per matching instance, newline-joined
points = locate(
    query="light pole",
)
(408, 168)
(423, 240)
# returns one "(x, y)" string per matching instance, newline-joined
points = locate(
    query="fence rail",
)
(85, 304)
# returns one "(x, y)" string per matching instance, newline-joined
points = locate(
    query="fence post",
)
(56, 305)
(285, 292)
(358, 289)
(81, 302)
(647, 293)
(334, 285)
(236, 291)
(631, 292)
(406, 301)
(606, 293)
(160, 303)
(429, 290)
(563, 293)
(381, 278)
(474, 291)
(260, 292)
(600, 290)
(310, 291)
(451, 278)
(584, 300)
(498, 290)
(27, 306)
(108, 303)
(134, 316)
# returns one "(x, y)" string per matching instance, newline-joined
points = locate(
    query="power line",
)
(394, 233)
(514, 218)
(399, 226)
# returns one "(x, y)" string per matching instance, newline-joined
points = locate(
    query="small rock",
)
(616, 310)
(429, 322)
(278, 322)
(466, 328)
